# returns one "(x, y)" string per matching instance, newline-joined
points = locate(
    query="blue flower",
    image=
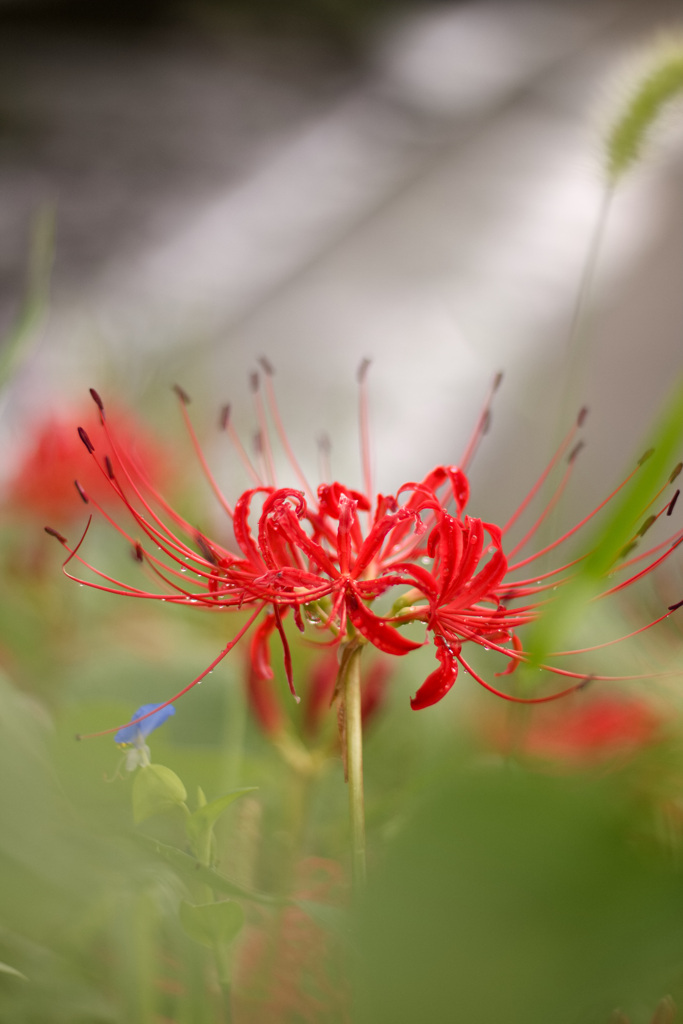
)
(134, 735)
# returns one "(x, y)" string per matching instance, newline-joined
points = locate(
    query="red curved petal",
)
(262, 698)
(394, 525)
(377, 630)
(440, 681)
(241, 526)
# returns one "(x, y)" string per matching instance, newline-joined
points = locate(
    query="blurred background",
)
(322, 182)
(186, 188)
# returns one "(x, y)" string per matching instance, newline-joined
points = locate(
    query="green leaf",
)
(6, 969)
(156, 789)
(212, 923)
(190, 869)
(200, 825)
(536, 882)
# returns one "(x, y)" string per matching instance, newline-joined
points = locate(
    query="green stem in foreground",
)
(353, 738)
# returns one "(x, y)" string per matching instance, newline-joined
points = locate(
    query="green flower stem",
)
(220, 956)
(353, 729)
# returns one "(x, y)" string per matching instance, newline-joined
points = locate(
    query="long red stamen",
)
(564, 445)
(279, 427)
(171, 546)
(200, 453)
(521, 700)
(513, 585)
(264, 448)
(126, 589)
(227, 425)
(324, 453)
(366, 458)
(643, 572)
(559, 491)
(108, 473)
(672, 476)
(574, 529)
(627, 636)
(650, 551)
(186, 558)
(287, 652)
(482, 425)
(181, 693)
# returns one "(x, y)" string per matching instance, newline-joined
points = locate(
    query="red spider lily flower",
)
(586, 733)
(292, 968)
(326, 557)
(319, 691)
(43, 486)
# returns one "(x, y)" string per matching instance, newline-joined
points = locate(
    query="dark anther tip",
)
(628, 549)
(575, 451)
(586, 682)
(363, 370)
(254, 381)
(108, 466)
(672, 503)
(486, 422)
(98, 401)
(324, 443)
(182, 394)
(258, 442)
(138, 553)
(645, 456)
(675, 471)
(206, 549)
(266, 366)
(581, 418)
(498, 380)
(78, 737)
(55, 533)
(86, 440)
(224, 418)
(646, 526)
(675, 607)
(83, 496)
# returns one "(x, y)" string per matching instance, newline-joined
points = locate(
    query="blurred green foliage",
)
(514, 896)
(503, 886)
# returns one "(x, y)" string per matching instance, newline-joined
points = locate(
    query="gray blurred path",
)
(433, 215)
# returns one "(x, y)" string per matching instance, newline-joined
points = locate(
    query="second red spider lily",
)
(325, 557)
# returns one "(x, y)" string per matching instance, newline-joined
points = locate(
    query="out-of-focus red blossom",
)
(290, 970)
(43, 485)
(324, 557)
(317, 692)
(585, 733)
(322, 685)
